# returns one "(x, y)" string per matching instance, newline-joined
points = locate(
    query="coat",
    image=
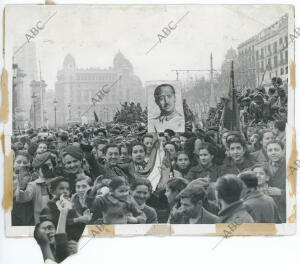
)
(177, 217)
(260, 156)
(278, 179)
(37, 192)
(230, 167)
(122, 170)
(212, 172)
(261, 207)
(150, 214)
(235, 213)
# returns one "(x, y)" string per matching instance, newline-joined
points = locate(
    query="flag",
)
(231, 113)
(96, 117)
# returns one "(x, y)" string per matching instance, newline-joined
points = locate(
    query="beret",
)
(73, 151)
(40, 159)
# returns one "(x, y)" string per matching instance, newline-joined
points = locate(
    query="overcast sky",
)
(93, 35)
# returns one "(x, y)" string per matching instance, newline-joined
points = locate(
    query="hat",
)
(73, 151)
(40, 159)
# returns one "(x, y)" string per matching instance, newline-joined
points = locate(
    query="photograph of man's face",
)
(165, 99)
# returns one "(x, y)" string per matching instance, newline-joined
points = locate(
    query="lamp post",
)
(55, 104)
(34, 114)
(69, 106)
(15, 97)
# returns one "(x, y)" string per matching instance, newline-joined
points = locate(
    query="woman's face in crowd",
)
(141, 194)
(267, 137)
(138, 154)
(261, 175)
(148, 142)
(21, 162)
(183, 161)
(41, 148)
(171, 195)
(121, 192)
(112, 156)
(205, 157)
(48, 228)
(124, 154)
(274, 152)
(236, 151)
(71, 164)
(197, 146)
(81, 187)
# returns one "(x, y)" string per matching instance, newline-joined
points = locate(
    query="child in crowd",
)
(141, 190)
(116, 207)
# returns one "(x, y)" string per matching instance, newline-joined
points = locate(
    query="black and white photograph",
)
(183, 119)
(165, 107)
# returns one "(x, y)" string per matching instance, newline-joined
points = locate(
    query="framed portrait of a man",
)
(165, 110)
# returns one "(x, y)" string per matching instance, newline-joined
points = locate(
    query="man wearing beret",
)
(37, 191)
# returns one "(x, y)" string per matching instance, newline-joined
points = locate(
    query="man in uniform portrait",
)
(169, 118)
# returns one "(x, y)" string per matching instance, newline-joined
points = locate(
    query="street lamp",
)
(34, 115)
(69, 106)
(55, 104)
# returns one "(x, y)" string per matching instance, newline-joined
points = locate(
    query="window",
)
(262, 66)
(285, 40)
(280, 41)
(262, 53)
(257, 55)
(281, 71)
(269, 64)
(286, 56)
(286, 70)
(275, 47)
(275, 61)
(269, 49)
(281, 58)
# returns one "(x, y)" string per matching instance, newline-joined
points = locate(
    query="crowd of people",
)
(102, 173)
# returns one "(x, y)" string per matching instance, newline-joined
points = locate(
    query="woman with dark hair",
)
(183, 163)
(191, 146)
(206, 167)
(239, 159)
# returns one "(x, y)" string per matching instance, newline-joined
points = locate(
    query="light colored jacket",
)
(34, 192)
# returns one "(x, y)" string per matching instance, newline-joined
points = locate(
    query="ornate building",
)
(75, 88)
(265, 56)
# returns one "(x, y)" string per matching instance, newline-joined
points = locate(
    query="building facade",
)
(75, 88)
(26, 60)
(19, 114)
(38, 110)
(265, 56)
